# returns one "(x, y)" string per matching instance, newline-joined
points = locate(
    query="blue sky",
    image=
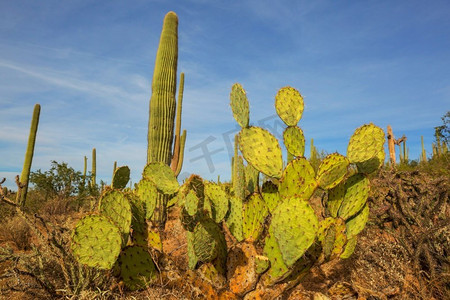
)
(90, 63)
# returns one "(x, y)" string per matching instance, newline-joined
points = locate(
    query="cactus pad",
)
(269, 192)
(218, 199)
(356, 194)
(289, 105)
(251, 179)
(121, 177)
(137, 268)
(332, 170)
(261, 149)
(372, 164)
(162, 176)
(206, 242)
(96, 242)
(365, 144)
(278, 268)
(115, 206)
(255, 212)
(294, 140)
(335, 197)
(261, 264)
(148, 194)
(349, 247)
(234, 219)
(239, 105)
(191, 203)
(298, 179)
(294, 226)
(356, 223)
(192, 258)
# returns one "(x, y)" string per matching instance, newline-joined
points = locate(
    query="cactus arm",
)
(181, 154)
(177, 147)
(25, 176)
(162, 102)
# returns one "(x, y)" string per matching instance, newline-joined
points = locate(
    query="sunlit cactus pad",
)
(136, 267)
(218, 199)
(289, 105)
(255, 212)
(261, 149)
(294, 140)
(294, 226)
(365, 144)
(162, 176)
(147, 192)
(298, 179)
(269, 192)
(114, 205)
(356, 193)
(96, 242)
(332, 170)
(356, 224)
(239, 105)
(121, 177)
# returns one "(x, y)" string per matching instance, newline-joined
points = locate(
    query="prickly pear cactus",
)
(298, 179)
(261, 149)
(218, 200)
(121, 177)
(148, 194)
(96, 242)
(294, 140)
(356, 194)
(255, 212)
(270, 194)
(137, 268)
(332, 170)
(162, 177)
(115, 206)
(239, 105)
(289, 105)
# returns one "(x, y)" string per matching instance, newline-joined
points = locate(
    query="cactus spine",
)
(24, 178)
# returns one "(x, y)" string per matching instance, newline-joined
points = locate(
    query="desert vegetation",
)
(324, 227)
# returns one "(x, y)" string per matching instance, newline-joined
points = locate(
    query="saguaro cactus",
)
(163, 107)
(94, 167)
(24, 178)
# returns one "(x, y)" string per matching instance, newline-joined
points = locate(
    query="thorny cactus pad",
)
(147, 192)
(298, 179)
(269, 192)
(136, 267)
(114, 205)
(261, 149)
(96, 242)
(289, 105)
(356, 224)
(332, 170)
(294, 140)
(239, 105)
(356, 194)
(162, 176)
(121, 177)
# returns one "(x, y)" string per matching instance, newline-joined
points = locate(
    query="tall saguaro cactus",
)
(163, 106)
(24, 178)
(94, 167)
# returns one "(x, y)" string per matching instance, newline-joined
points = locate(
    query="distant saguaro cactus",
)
(24, 178)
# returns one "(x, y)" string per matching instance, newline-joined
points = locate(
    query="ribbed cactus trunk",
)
(25, 176)
(163, 106)
(94, 168)
(162, 102)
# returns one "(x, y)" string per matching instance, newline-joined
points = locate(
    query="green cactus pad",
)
(206, 240)
(278, 268)
(357, 223)
(137, 212)
(239, 178)
(192, 258)
(239, 105)
(294, 226)
(298, 179)
(121, 177)
(96, 242)
(269, 192)
(251, 179)
(289, 105)
(191, 203)
(371, 165)
(162, 176)
(148, 194)
(234, 219)
(219, 200)
(294, 140)
(356, 194)
(261, 149)
(365, 144)
(115, 206)
(137, 268)
(335, 197)
(349, 247)
(262, 263)
(332, 170)
(255, 212)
